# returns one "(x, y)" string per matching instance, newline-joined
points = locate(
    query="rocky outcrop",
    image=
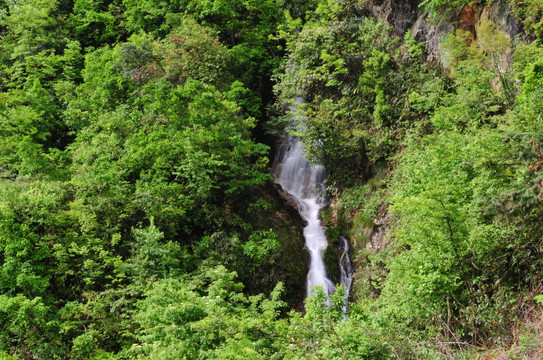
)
(376, 236)
(405, 15)
(399, 14)
(288, 263)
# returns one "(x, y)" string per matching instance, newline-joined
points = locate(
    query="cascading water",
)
(346, 268)
(345, 265)
(305, 183)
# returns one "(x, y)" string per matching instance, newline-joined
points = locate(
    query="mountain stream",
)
(305, 183)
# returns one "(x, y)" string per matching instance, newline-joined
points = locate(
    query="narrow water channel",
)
(305, 183)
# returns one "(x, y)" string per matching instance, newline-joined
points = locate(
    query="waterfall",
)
(346, 268)
(305, 183)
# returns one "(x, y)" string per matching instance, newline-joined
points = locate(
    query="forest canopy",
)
(138, 216)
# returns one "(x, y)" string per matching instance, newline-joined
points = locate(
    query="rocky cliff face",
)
(400, 14)
(288, 264)
(406, 15)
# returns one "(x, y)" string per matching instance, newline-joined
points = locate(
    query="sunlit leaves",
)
(207, 316)
(439, 7)
(119, 152)
(353, 87)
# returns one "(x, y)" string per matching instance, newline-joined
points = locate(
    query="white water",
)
(305, 182)
(346, 267)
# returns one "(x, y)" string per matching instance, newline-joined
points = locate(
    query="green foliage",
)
(179, 60)
(442, 226)
(26, 323)
(442, 7)
(207, 317)
(483, 85)
(120, 151)
(260, 245)
(188, 144)
(530, 12)
(152, 258)
(353, 80)
(132, 187)
(245, 25)
(458, 186)
(448, 199)
(414, 48)
(528, 64)
(325, 333)
(94, 22)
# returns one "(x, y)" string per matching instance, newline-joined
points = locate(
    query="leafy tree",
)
(530, 13)
(353, 88)
(244, 25)
(95, 23)
(438, 7)
(207, 317)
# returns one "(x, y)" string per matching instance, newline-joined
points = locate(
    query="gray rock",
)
(405, 15)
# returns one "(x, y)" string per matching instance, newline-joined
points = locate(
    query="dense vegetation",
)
(451, 162)
(137, 219)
